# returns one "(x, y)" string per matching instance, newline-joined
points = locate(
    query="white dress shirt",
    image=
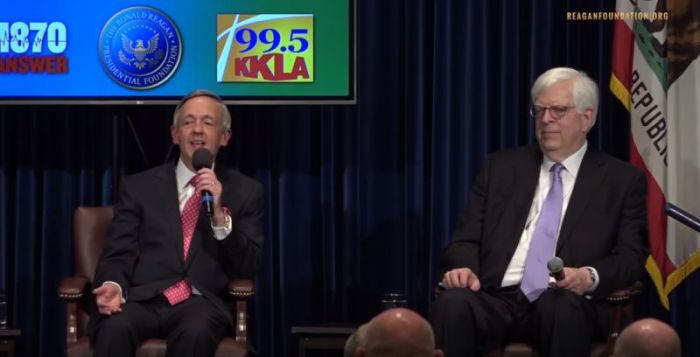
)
(572, 164)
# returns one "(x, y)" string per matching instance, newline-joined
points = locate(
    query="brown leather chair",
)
(90, 228)
(621, 314)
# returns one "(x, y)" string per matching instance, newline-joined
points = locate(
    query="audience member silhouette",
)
(398, 332)
(648, 338)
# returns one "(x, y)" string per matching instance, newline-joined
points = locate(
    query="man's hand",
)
(578, 280)
(207, 181)
(461, 278)
(108, 299)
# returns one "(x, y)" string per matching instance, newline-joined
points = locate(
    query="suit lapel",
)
(590, 178)
(528, 173)
(168, 192)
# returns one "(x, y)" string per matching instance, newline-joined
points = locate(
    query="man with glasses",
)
(528, 205)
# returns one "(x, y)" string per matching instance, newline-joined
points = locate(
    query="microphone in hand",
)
(202, 158)
(556, 268)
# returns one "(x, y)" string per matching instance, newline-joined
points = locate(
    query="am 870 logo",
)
(33, 47)
(265, 48)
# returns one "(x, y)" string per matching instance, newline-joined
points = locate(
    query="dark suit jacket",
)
(143, 252)
(604, 225)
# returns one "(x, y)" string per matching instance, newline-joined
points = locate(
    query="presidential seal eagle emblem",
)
(140, 47)
(138, 53)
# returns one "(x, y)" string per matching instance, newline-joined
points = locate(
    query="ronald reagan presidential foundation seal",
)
(140, 47)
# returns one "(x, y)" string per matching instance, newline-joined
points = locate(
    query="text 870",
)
(22, 37)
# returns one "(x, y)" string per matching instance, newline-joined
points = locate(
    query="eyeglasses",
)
(556, 111)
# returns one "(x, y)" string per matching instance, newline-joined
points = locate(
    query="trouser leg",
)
(120, 334)
(195, 327)
(468, 323)
(564, 324)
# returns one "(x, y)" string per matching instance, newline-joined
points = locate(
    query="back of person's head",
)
(399, 332)
(648, 338)
(584, 89)
(355, 340)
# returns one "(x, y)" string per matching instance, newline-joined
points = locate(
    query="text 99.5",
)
(271, 37)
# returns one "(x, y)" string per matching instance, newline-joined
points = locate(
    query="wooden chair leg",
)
(71, 322)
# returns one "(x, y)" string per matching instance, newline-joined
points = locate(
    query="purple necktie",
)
(544, 240)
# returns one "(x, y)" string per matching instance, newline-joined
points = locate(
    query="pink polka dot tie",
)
(181, 290)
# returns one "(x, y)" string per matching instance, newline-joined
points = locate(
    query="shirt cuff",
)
(121, 293)
(220, 233)
(595, 277)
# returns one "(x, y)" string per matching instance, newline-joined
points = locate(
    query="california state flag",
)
(656, 75)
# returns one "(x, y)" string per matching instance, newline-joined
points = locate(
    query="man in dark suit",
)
(165, 264)
(561, 198)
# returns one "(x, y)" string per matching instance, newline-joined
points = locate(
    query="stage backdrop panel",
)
(155, 51)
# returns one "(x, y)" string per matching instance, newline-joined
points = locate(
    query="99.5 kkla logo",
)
(140, 47)
(265, 48)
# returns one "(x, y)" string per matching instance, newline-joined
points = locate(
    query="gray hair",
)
(203, 93)
(584, 89)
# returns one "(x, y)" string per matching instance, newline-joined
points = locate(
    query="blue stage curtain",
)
(361, 198)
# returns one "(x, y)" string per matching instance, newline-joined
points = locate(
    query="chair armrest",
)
(620, 304)
(625, 294)
(73, 288)
(241, 288)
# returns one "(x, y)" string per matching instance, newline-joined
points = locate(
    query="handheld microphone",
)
(556, 268)
(202, 158)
